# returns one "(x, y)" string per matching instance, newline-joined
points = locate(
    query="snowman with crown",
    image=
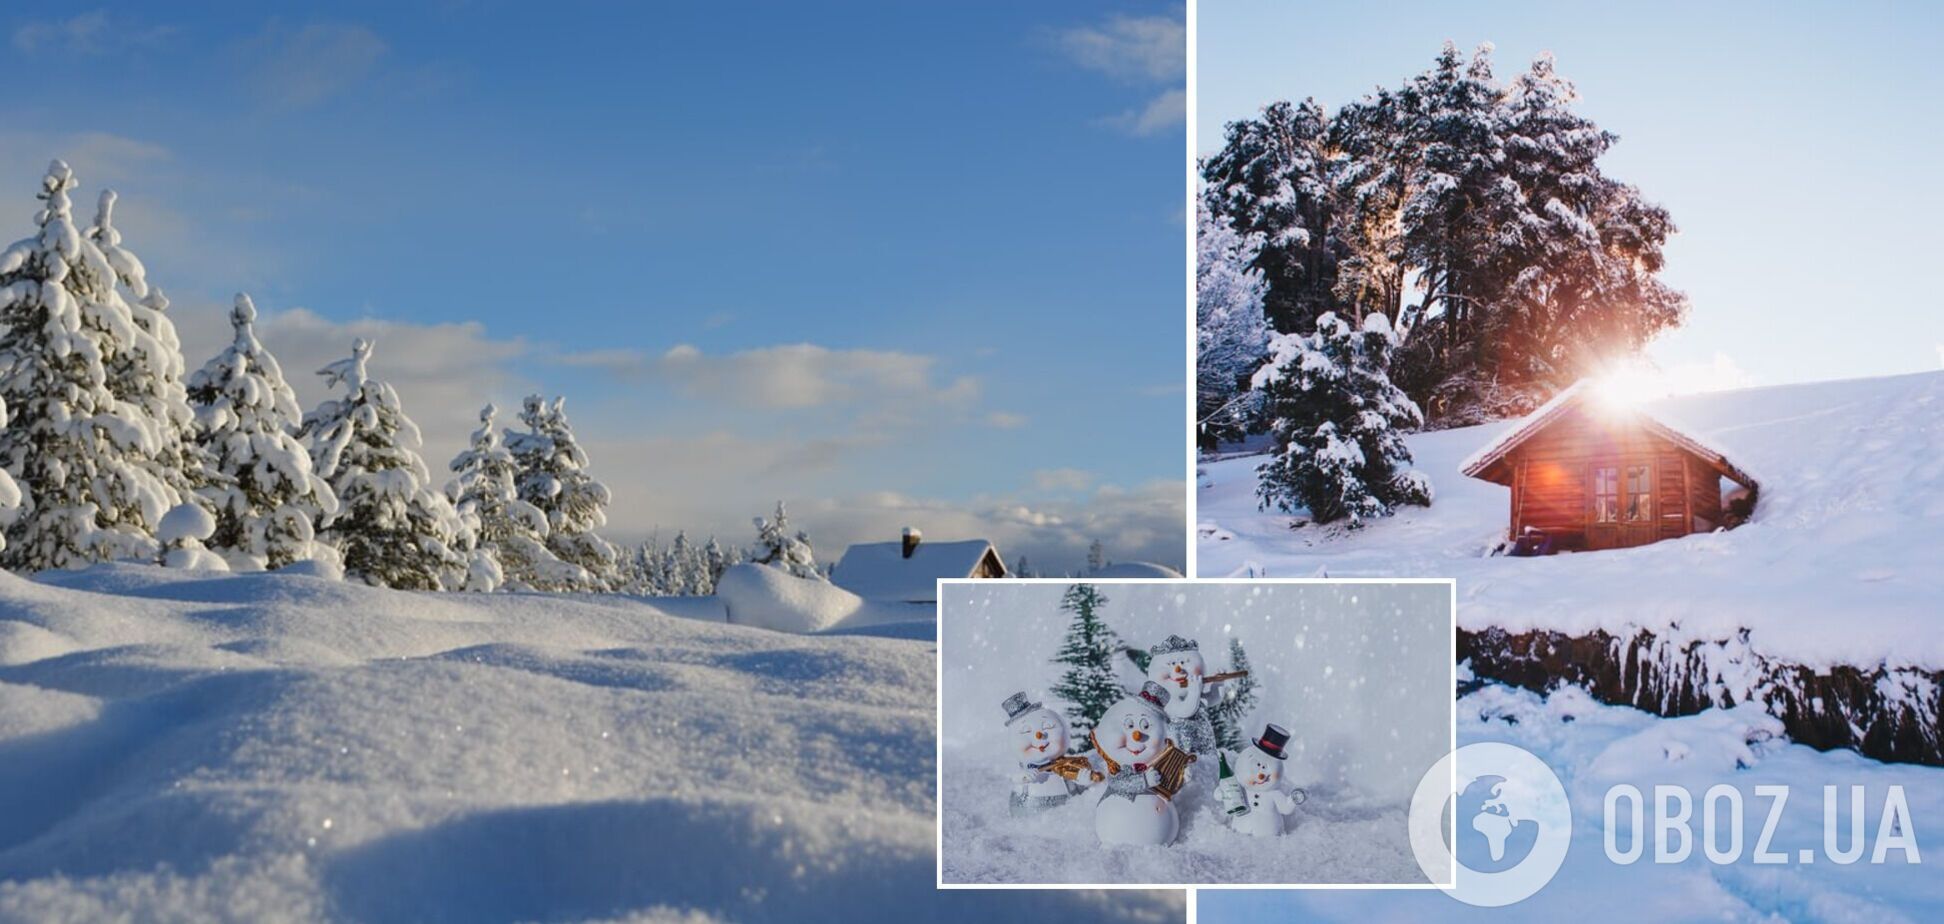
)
(1048, 775)
(1144, 770)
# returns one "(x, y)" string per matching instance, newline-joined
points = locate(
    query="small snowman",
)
(1176, 664)
(1260, 768)
(1144, 771)
(1048, 776)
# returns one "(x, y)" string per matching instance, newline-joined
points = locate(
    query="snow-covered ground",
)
(183, 746)
(1358, 673)
(1591, 747)
(1840, 564)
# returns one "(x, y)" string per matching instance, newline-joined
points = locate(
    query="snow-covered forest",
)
(1469, 211)
(111, 450)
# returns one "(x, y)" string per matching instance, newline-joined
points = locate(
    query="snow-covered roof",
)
(1479, 464)
(879, 570)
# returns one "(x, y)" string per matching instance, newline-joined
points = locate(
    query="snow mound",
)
(1838, 565)
(1134, 569)
(271, 747)
(184, 522)
(759, 595)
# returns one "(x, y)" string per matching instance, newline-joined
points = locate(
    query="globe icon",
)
(1491, 837)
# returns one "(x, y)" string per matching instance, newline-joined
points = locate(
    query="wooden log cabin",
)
(1586, 475)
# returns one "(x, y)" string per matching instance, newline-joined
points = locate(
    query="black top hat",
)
(1272, 740)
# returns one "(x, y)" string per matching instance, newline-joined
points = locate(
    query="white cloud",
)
(92, 33)
(1063, 479)
(1164, 112)
(297, 68)
(888, 386)
(1135, 48)
(1004, 420)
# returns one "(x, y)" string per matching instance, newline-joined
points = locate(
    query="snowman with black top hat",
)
(1260, 769)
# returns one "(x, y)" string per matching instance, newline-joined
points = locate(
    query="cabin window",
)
(1640, 493)
(1606, 495)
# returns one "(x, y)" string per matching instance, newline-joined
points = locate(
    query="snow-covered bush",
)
(771, 598)
(268, 500)
(392, 528)
(1230, 333)
(777, 547)
(509, 530)
(89, 461)
(553, 478)
(182, 534)
(1338, 424)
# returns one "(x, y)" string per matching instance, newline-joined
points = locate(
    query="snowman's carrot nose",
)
(1138, 737)
(1038, 735)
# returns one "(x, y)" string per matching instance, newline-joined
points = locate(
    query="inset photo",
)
(1172, 733)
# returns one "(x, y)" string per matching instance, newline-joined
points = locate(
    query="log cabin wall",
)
(1557, 471)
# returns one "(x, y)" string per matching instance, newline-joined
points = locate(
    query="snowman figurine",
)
(1176, 664)
(1144, 771)
(1260, 766)
(1048, 776)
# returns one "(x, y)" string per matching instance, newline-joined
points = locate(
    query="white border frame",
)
(938, 741)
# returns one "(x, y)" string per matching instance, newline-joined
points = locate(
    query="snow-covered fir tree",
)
(10, 496)
(266, 497)
(87, 460)
(392, 528)
(1088, 683)
(685, 567)
(1231, 336)
(1096, 557)
(509, 529)
(1230, 715)
(148, 371)
(778, 547)
(1338, 424)
(715, 560)
(553, 478)
(1022, 568)
(1472, 211)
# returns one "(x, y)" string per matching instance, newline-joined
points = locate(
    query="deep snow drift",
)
(1590, 747)
(1838, 566)
(1360, 675)
(184, 746)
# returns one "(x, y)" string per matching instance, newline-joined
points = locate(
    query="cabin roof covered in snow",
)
(879, 570)
(1481, 464)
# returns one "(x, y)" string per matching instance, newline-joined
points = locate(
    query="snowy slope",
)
(274, 747)
(1592, 747)
(1358, 673)
(1839, 565)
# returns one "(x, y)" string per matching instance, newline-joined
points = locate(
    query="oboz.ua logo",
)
(1493, 821)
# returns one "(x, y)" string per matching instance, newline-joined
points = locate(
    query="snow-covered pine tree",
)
(553, 478)
(10, 496)
(86, 459)
(1272, 178)
(511, 530)
(392, 527)
(715, 560)
(683, 571)
(1338, 424)
(1230, 334)
(1230, 715)
(266, 498)
(1096, 557)
(1088, 684)
(1022, 568)
(148, 371)
(778, 547)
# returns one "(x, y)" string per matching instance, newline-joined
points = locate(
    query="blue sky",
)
(1793, 143)
(897, 263)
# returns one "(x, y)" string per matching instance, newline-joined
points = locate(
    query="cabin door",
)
(1620, 508)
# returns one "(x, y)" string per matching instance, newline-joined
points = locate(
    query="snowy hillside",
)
(176, 746)
(1592, 747)
(1838, 566)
